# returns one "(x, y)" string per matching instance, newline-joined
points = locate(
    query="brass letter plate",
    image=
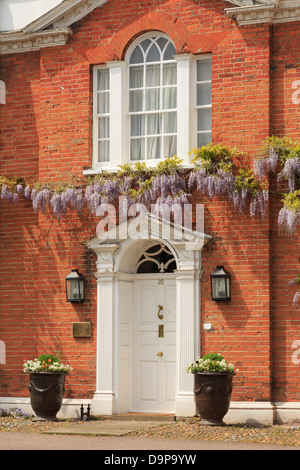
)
(160, 331)
(82, 330)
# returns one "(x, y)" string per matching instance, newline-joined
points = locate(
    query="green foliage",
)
(247, 179)
(166, 166)
(292, 201)
(143, 186)
(283, 146)
(213, 357)
(215, 157)
(48, 359)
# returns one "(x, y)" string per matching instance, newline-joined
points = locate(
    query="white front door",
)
(154, 345)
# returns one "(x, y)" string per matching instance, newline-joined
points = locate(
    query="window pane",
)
(145, 44)
(154, 122)
(162, 42)
(204, 119)
(203, 94)
(103, 80)
(170, 123)
(203, 139)
(103, 102)
(203, 70)
(153, 75)
(137, 56)
(170, 146)
(137, 126)
(135, 101)
(136, 77)
(170, 74)
(152, 99)
(103, 151)
(103, 128)
(153, 54)
(153, 148)
(169, 98)
(169, 52)
(137, 149)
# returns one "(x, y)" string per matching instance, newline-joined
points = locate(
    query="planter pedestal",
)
(46, 394)
(212, 392)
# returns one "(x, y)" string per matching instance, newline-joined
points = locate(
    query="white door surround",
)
(117, 257)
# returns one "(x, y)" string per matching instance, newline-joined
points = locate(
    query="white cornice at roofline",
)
(275, 11)
(53, 28)
(17, 41)
(50, 30)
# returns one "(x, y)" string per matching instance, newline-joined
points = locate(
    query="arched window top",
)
(156, 259)
(151, 50)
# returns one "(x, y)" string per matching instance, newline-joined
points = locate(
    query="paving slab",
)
(105, 427)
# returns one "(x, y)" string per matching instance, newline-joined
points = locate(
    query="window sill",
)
(114, 169)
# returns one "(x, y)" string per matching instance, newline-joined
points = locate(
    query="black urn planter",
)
(46, 393)
(212, 392)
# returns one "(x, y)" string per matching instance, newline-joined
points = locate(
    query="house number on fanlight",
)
(161, 282)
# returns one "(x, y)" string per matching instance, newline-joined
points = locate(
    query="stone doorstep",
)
(111, 427)
(139, 417)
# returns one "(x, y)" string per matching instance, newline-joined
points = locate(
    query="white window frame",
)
(148, 161)
(97, 116)
(205, 106)
(119, 109)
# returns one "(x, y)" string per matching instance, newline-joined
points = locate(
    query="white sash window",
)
(153, 100)
(154, 104)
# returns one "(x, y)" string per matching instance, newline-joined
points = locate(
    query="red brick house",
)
(93, 84)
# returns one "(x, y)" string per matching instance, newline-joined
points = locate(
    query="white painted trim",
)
(184, 105)
(278, 12)
(116, 261)
(114, 169)
(252, 412)
(240, 412)
(15, 42)
(119, 101)
(118, 117)
(70, 407)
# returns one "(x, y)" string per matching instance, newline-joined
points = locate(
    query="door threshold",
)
(140, 417)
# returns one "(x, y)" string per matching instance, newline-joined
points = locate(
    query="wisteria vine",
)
(165, 186)
(282, 156)
(215, 173)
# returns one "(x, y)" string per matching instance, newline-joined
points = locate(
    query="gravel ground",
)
(182, 429)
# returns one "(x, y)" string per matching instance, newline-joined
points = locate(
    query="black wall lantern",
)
(220, 284)
(75, 286)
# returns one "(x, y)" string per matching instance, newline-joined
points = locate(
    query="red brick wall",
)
(46, 133)
(285, 249)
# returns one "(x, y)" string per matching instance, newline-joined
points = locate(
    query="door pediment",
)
(147, 226)
(119, 248)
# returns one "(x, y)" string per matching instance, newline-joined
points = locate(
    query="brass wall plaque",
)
(82, 330)
(160, 331)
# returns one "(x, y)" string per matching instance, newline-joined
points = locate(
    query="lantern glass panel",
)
(75, 287)
(219, 288)
(220, 284)
(75, 290)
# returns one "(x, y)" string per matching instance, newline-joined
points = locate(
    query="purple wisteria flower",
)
(288, 219)
(27, 192)
(296, 298)
(264, 165)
